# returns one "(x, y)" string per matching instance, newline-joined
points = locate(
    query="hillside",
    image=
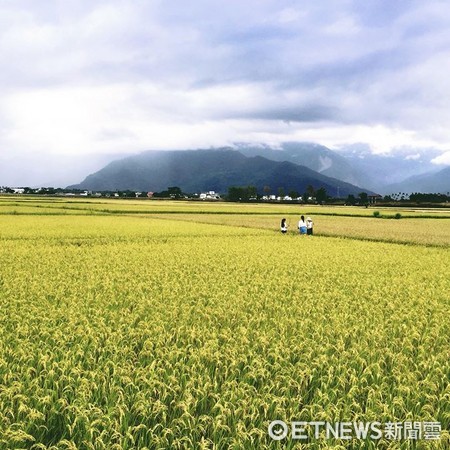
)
(383, 170)
(204, 170)
(314, 156)
(431, 182)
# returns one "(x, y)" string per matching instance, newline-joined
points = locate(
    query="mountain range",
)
(290, 165)
(437, 182)
(386, 171)
(314, 156)
(205, 170)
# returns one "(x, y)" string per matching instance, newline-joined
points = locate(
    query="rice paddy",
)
(170, 325)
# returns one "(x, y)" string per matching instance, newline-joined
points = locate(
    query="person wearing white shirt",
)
(302, 225)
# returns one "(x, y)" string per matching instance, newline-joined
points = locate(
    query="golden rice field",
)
(161, 331)
(408, 231)
(43, 205)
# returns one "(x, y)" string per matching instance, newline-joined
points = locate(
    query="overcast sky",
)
(83, 80)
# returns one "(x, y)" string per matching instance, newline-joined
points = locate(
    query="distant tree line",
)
(244, 194)
(402, 197)
(173, 192)
(363, 199)
(429, 198)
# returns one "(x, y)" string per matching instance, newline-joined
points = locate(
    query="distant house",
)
(373, 198)
(210, 195)
(19, 190)
(150, 194)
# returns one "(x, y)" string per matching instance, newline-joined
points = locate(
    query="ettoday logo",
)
(279, 430)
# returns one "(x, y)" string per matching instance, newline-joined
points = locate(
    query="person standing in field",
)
(309, 226)
(283, 226)
(302, 225)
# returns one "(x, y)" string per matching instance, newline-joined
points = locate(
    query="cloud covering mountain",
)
(434, 182)
(88, 77)
(204, 170)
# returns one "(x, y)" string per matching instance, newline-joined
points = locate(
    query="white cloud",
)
(84, 77)
(413, 157)
(61, 119)
(443, 159)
